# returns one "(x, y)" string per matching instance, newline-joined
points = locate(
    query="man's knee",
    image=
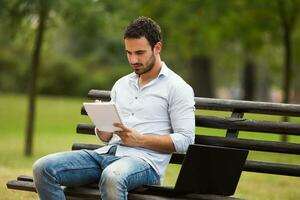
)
(111, 177)
(42, 167)
(112, 183)
(38, 167)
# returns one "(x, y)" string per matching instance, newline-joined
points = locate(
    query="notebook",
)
(103, 115)
(208, 170)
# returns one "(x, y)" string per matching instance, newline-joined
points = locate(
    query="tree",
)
(278, 20)
(42, 10)
(192, 36)
(35, 13)
(243, 34)
(288, 12)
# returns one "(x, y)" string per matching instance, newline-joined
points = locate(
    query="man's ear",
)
(157, 48)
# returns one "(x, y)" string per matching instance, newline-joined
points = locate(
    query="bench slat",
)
(248, 106)
(25, 178)
(79, 146)
(268, 146)
(257, 145)
(25, 183)
(85, 129)
(226, 104)
(272, 168)
(21, 185)
(242, 124)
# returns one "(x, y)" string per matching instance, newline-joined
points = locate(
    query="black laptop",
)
(208, 170)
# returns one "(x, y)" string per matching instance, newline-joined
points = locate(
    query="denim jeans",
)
(115, 175)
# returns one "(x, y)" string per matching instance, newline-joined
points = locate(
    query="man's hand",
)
(129, 136)
(103, 135)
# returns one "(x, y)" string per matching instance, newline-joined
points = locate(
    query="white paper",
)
(103, 115)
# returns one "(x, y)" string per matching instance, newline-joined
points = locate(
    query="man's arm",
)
(131, 137)
(182, 116)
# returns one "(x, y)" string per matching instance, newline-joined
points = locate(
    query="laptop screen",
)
(211, 170)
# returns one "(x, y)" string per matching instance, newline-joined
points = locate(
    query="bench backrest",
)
(234, 121)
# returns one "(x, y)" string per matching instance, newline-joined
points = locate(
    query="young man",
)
(158, 111)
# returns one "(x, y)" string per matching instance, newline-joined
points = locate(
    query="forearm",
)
(130, 137)
(162, 143)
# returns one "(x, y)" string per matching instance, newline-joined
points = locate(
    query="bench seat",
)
(89, 192)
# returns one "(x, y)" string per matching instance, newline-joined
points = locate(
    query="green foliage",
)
(12, 72)
(84, 37)
(60, 77)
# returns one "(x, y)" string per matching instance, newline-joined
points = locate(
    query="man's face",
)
(140, 55)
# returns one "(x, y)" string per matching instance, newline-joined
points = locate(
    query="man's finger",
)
(121, 126)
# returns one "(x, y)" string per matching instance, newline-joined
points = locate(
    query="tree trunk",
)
(249, 80)
(287, 72)
(201, 77)
(287, 65)
(35, 62)
(287, 25)
(264, 85)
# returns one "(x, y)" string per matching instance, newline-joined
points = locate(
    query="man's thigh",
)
(72, 168)
(135, 172)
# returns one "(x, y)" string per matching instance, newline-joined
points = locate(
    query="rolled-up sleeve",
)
(182, 117)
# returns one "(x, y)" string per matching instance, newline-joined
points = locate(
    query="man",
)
(157, 108)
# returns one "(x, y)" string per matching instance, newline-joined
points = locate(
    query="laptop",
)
(208, 170)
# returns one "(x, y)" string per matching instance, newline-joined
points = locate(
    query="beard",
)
(148, 66)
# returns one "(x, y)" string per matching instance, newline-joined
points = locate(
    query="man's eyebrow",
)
(138, 51)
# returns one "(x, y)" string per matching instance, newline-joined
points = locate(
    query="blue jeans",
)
(115, 175)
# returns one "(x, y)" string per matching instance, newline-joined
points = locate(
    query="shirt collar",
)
(164, 70)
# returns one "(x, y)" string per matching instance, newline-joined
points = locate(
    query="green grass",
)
(55, 131)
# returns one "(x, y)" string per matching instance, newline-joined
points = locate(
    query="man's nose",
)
(133, 59)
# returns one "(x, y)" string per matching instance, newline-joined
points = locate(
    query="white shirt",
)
(163, 106)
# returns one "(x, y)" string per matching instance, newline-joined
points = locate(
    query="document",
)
(103, 115)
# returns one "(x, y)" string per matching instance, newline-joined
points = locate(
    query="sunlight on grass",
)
(264, 186)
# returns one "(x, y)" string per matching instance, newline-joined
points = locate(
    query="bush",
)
(61, 77)
(13, 72)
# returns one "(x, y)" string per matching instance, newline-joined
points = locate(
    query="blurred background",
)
(53, 52)
(236, 49)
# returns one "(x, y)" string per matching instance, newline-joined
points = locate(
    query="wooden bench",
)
(231, 124)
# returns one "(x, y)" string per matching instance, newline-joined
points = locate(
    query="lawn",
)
(55, 131)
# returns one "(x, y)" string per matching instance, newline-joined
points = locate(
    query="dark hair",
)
(144, 27)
